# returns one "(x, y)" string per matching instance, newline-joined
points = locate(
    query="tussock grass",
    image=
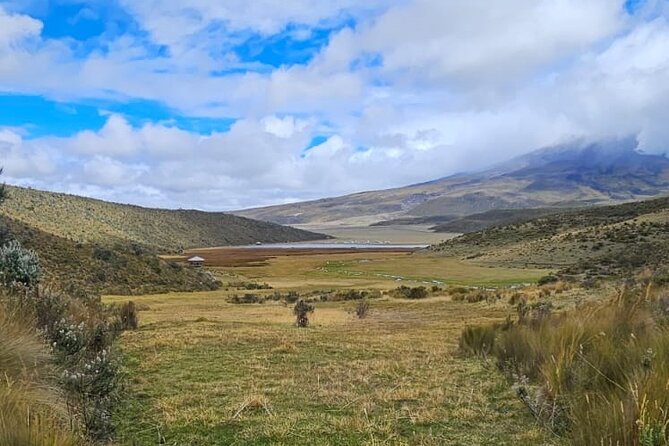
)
(595, 375)
(32, 411)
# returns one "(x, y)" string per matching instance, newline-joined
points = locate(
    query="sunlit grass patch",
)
(248, 374)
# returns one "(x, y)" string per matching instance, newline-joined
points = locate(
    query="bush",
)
(478, 340)
(545, 280)
(247, 298)
(292, 297)
(596, 375)
(128, 316)
(31, 413)
(301, 311)
(18, 265)
(345, 295)
(419, 292)
(362, 309)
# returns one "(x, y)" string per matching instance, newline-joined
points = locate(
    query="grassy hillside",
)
(477, 222)
(601, 240)
(87, 220)
(566, 176)
(120, 269)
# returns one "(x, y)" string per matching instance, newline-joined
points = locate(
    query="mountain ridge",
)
(568, 175)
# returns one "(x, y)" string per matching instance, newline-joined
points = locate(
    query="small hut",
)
(196, 262)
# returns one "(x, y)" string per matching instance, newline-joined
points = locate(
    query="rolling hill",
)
(85, 269)
(566, 176)
(87, 220)
(599, 240)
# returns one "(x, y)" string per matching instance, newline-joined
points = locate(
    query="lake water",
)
(336, 245)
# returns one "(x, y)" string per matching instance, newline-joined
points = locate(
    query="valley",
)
(229, 365)
(210, 371)
(334, 223)
(401, 319)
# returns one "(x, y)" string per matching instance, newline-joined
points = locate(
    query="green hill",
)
(601, 240)
(87, 220)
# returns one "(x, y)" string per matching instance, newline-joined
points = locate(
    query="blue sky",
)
(229, 104)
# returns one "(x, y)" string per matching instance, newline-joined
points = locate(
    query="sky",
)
(229, 104)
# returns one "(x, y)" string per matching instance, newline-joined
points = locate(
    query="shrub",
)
(596, 375)
(103, 254)
(128, 316)
(344, 295)
(301, 311)
(419, 292)
(19, 265)
(292, 297)
(545, 280)
(247, 298)
(362, 309)
(30, 412)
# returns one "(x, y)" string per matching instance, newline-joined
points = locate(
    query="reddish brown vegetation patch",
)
(231, 256)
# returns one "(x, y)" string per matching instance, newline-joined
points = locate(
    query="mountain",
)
(87, 220)
(570, 175)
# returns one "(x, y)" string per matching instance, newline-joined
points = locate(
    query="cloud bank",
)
(321, 98)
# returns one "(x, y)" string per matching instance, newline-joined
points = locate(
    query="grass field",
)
(207, 372)
(381, 270)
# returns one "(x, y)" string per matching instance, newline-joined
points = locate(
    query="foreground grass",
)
(32, 410)
(597, 374)
(208, 372)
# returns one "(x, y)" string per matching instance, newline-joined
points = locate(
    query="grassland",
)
(368, 269)
(208, 372)
(395, 233)
(383, 270)
(205, 371)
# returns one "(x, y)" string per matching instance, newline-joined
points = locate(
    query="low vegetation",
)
(496, 217)
(79, 335)
(61, 379)
(32, 410)
(597, 242)
(302, 310)
(406, 292)
(593, 375)
(245, 373)
(81, 268)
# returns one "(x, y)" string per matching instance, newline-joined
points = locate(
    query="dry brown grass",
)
(32, 411)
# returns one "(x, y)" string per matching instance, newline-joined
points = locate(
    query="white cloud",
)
(480, 41)
(15, 28)
(173, 22)
(457, 85)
